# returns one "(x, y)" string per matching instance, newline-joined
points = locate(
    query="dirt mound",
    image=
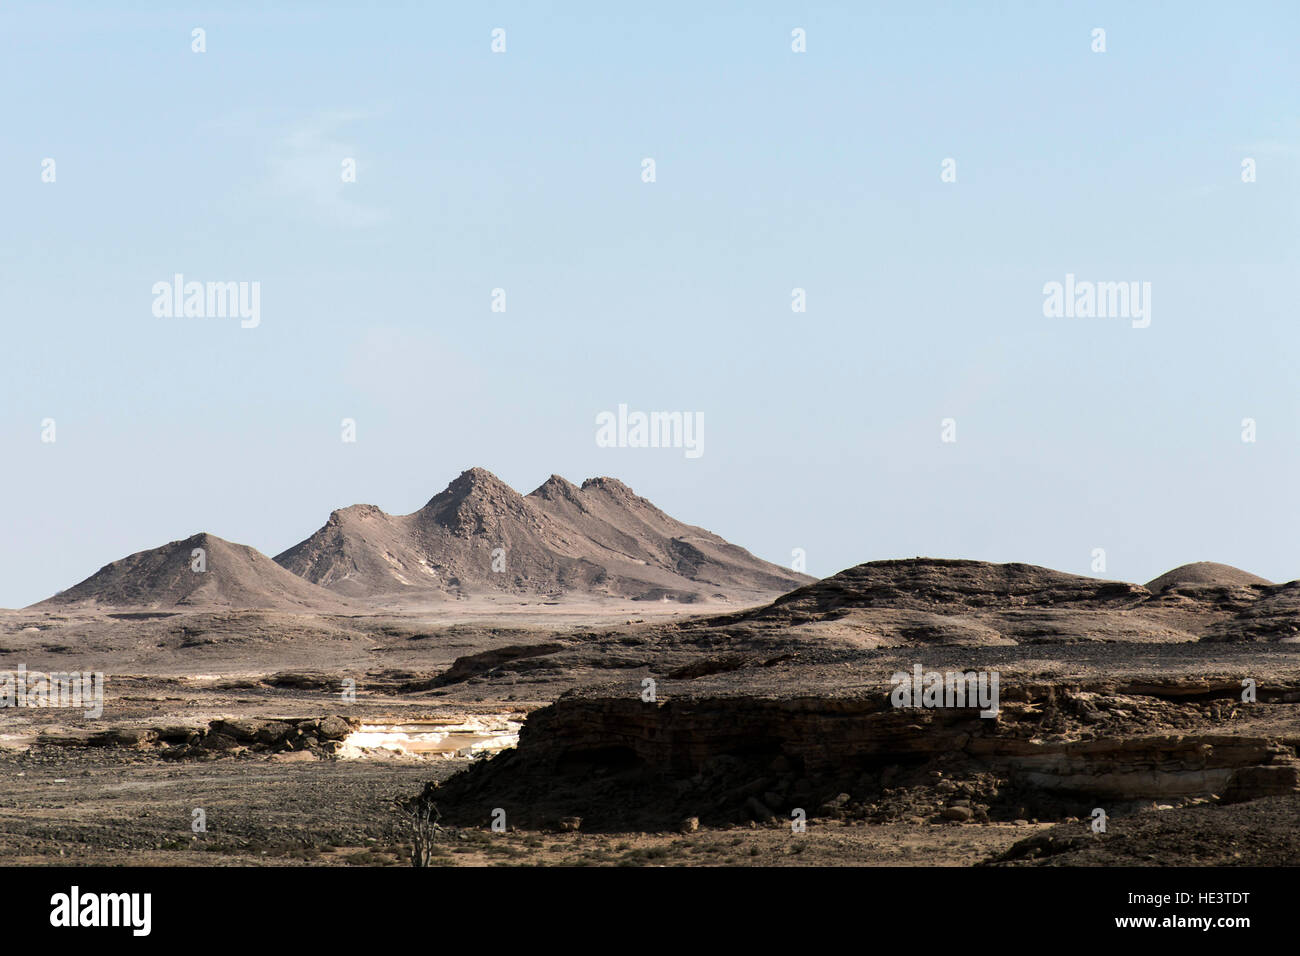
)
(480, 535)
(228, 575)
(1204, 574)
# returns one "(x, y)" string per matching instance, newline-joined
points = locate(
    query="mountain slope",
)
(234, 576)
(480, 535)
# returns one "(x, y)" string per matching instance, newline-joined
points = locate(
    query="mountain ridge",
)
(479, 535)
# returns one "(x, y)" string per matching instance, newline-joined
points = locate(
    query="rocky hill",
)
(923, 601)
(479, 535)
(231, 576)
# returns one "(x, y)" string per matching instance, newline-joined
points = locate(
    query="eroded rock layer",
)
(1052, 751)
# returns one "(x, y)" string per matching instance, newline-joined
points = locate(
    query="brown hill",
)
(929, 601)
(936, 601)
(934, 584)
(236, 576)
(1205, 574)
(480, 536)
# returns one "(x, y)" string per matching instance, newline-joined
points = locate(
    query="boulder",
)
(334, 728)
(273, 732)
(243, 729)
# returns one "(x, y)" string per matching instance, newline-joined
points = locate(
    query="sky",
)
(774, 170)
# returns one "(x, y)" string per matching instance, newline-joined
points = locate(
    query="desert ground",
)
(758, 713)
(574, 677)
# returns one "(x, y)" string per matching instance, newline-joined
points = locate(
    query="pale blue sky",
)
(775, 170)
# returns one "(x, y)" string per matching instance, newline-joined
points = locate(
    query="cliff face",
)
(619, 760)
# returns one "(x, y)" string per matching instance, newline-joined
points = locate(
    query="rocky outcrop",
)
(623, 760)
(933, 601)
(488, 662)
(318, 736)
(1280, 776)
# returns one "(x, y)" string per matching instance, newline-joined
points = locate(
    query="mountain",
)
(1205, 574)
(234, 576)
(480, 536)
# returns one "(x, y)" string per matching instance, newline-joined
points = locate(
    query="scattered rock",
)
(121, 737)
